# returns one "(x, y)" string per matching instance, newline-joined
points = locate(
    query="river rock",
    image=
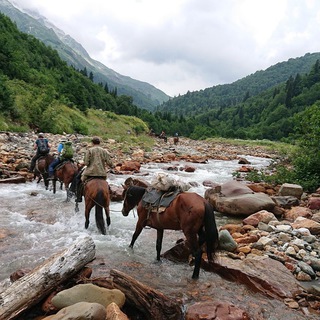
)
(215, 310)
(289, 189)
(80, 310)
(245, 204)
(260, 273)
(295, 212)
(88, 293)
(236, 198)
(313, 226)
(226, 241)
(114, 313)
(260, 216)
(314, 203)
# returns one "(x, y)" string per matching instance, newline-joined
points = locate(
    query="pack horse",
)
(188, 212)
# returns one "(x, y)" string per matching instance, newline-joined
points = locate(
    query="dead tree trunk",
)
(152, 303)
(33, 287)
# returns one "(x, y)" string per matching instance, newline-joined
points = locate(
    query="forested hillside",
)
(228, 95)
(143, 94)
(38, 89)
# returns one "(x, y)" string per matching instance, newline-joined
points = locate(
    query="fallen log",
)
(33, 287)
(152, 303)
(18, 179)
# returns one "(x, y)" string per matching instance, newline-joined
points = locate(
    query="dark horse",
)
(66, 173)
(188, 212)
(41, 169)
(96, 193)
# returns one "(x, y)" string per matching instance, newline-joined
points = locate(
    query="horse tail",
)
(211, 231)
(99, 212)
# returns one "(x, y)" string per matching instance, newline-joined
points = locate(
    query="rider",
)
(57, 160)
(94, 160)
(42, 146)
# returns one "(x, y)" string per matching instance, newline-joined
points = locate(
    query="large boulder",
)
(260, 273)
(88, 293)
(236, 198)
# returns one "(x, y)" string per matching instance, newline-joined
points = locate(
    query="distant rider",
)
(42, 147)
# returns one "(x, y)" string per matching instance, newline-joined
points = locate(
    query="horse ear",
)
(124, 186)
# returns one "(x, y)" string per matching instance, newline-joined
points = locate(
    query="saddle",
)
(62, 163)
(157, 200)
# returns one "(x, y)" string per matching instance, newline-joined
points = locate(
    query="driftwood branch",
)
(33, 287)
(152, 303)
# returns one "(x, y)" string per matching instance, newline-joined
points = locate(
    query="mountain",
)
(228, 95)
(144, 95)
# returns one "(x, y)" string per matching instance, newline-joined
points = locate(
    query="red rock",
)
(215, 310)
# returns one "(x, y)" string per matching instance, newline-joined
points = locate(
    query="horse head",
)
(131, 197)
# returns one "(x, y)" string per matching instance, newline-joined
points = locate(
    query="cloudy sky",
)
(181, 45)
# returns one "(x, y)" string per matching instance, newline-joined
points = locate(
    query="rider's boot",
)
(79, 192)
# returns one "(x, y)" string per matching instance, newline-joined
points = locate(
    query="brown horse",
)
(41, 169)
(188, 212)
(176, 140)
(65, 173)
(96, 193)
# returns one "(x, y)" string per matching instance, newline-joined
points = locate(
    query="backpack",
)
(67, 151)
(43, 146)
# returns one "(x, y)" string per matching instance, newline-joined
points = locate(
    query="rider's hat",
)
(95, 140)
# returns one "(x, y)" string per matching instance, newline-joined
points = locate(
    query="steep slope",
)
(144, 95)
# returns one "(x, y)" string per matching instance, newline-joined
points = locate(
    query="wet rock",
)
(215, 310)
(260, 273)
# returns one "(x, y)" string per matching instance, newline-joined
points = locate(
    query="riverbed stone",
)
(260, 273)
(313, 226)
(226, 241)
(290, 189)
(114, 312)
(88, 293)
(215, 310)
(80, 311)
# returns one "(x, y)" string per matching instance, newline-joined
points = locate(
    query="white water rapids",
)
(39, 223)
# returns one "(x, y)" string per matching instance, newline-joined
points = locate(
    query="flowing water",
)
(38, 224)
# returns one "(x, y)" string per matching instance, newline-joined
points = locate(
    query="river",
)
(35, 224)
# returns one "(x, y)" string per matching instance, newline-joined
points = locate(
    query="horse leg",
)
(54, 186)
(159, 242)
(107, 210)
(88, 207)
(46, 181)
(139, 227)
(196, 252)
(197, 262)
(66, 186)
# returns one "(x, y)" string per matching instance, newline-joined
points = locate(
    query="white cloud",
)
(186, 45)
